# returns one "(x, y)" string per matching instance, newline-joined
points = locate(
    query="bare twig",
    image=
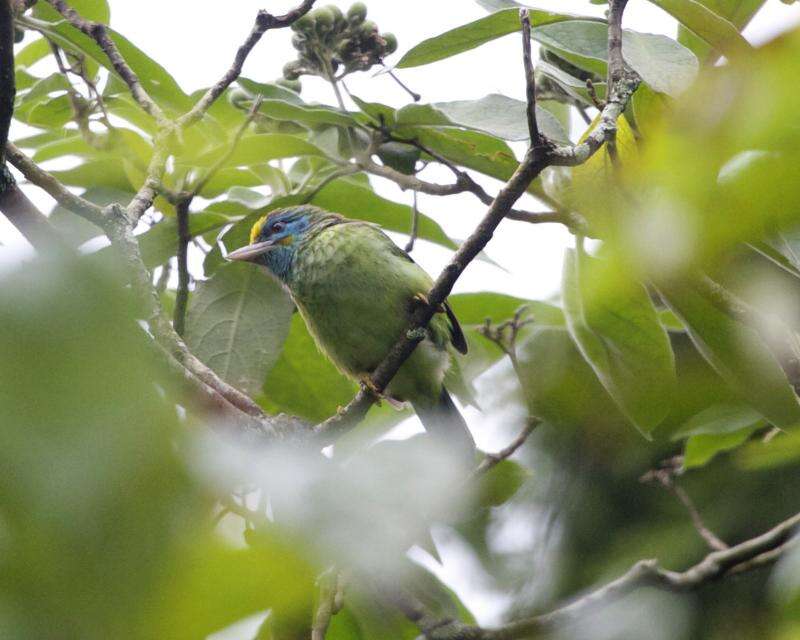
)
(752, 554)
(412, 236)
(665, 477)
(530, 79)
(414, 95)
(99, 33)
(492, 459)
(264, 22)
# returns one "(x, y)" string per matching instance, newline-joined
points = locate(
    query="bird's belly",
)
(354, 335)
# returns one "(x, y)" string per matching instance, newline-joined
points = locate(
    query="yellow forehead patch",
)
(257, 227)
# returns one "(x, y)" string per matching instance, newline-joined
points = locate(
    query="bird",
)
(357, 290)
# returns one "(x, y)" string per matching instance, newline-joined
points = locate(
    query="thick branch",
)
(7, 85)
(25, 216)
(182, 258)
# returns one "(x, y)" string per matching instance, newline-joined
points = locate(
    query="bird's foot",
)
(369, 385)
(421, 300)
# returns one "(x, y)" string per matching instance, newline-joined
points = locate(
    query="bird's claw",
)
(369, 385)
(420, 299)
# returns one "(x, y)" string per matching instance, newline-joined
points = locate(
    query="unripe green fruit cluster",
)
(329, 41)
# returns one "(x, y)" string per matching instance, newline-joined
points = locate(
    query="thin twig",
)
(530, 79)
(754, 553)
(414, 95)
(412, 236)
(264, 22)
(492, 459)
(99, 33)
(665, 477)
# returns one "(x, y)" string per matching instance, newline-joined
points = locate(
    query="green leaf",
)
(399, 156)
(495, 114)
(720, 427)
(474, 34)
(559, 385)
(573, 86)
(214, 584)
(260, 148)
(237, 322)
(228, 177)
(617, 329)
(475, 308)
(269, 91)
(355, 200)
(161, 86)
(719, 419)
(782, 450)
(738, 354)
(737, 12)
(701, 449)
(96, 173)
(664, 64)
(306, 114)
(303, 381)
(498, 5)
(94, 10)
(160, 243)
(712, 28)
(471, 149)
(90, 513)
(31, 53)
(500, 483)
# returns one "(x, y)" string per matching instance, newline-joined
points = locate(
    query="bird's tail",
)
(445, 424)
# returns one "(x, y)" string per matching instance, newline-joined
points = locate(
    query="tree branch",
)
(530, 80)
(14, 204)
(757, 552)
(41, 178)
(541, 153)
(98, 32)
(8, 88)
(264, 22)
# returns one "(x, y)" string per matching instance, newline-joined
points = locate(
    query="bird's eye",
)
(278, 227)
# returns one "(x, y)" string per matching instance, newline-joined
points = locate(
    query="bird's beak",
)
(251, 251)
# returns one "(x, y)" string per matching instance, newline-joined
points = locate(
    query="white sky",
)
(195, 41)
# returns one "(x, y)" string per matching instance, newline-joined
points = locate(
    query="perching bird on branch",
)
(357, 291)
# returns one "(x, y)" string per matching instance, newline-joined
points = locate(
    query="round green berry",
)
(391, 43)
(304, 24)
(357, 13)
(292, 70)
(292, 85)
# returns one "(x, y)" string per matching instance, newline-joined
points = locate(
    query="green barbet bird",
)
(356, 291)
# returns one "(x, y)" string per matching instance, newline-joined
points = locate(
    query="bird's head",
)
(275, 237)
